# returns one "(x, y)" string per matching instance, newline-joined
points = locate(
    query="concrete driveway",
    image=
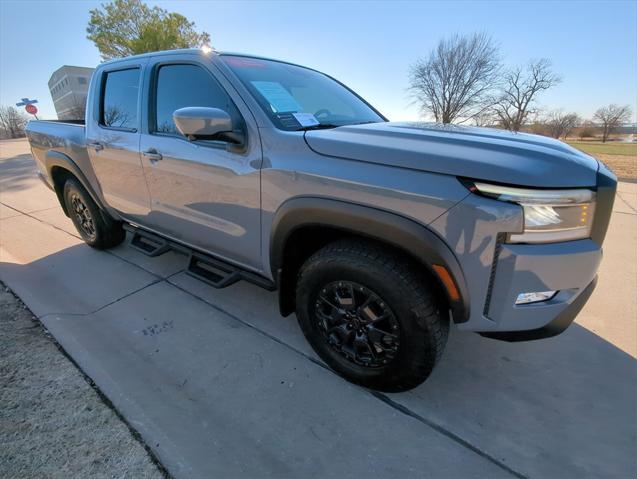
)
(219, 385)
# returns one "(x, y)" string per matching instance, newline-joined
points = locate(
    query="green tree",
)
(129, 27)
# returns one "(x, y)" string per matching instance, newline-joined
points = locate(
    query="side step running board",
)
(220, 274)
(147, 243)
(211, 271)
(215, 272)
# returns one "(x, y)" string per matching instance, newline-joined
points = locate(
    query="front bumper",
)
(568, 268)
(562, 321)
(497, 272)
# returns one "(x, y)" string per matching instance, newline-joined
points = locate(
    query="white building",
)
(69, 87)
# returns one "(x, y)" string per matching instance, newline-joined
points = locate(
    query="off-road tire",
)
(96, 227)
(423, 327)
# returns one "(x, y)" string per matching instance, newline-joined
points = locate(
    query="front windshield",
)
(296, 98)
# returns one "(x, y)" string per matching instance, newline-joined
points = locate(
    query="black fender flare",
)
(388, 227)
(56, 159)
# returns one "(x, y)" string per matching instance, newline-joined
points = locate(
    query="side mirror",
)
(202, 123)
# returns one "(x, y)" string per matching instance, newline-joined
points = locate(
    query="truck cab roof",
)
(198, 51)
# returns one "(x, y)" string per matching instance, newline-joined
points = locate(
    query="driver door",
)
(203, 193)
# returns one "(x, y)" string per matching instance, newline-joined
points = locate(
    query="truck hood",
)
(478, 153)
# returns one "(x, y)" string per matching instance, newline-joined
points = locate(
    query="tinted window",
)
(119, 107)
(284, 90)
(180, 86)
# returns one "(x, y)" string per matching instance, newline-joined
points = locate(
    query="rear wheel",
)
(95, 226)
(370, 316)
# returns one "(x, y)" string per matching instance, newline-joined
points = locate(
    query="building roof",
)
(66, 69)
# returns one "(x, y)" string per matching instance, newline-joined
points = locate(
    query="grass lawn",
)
(612, 148)
(619, 157)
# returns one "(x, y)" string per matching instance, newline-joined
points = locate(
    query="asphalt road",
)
(219, 385)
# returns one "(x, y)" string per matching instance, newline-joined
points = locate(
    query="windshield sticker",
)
(288, 121)
(279, 98)
(306, 119)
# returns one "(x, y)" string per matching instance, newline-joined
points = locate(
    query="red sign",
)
(32, 109)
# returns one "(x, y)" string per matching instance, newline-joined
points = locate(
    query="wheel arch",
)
(60, 167)
(316, 221)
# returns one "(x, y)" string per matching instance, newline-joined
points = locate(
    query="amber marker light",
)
(447, 280)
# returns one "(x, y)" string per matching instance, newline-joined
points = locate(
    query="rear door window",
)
(119, 100)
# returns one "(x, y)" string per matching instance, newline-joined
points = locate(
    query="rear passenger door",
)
(113, 134)
(203, 193)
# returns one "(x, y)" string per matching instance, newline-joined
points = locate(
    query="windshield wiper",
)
(325, 126)
(321, 126)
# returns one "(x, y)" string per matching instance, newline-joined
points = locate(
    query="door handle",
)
(96, 145)
(152, 155)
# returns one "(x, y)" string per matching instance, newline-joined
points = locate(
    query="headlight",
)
(549, 215)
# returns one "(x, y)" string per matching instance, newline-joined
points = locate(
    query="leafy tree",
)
(611, 117)
(129, 27)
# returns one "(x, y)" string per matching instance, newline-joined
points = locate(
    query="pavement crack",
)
(445, 432)
(619, 195)
(131, 293)
(378, 395)
(127, 296)
(41, 221)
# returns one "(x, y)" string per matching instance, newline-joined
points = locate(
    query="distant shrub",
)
(585, 131)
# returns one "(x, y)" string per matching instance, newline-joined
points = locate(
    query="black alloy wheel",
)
(83, 216)
(371, 314)
(96, 227)
(357, 323)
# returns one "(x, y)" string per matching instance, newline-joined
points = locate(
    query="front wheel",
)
(370, 316)
(95, 226)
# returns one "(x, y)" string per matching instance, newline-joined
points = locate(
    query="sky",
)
(369, 46)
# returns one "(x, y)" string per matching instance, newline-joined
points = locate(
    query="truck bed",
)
(50, 133)
(70, 122)
(67, 137)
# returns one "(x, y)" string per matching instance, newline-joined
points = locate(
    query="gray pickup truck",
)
(377, 234)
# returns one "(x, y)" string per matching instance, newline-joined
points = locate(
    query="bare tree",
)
(520, 90)
(12, 122)
(487, 118)
(611, 117)
(114, 116)
(454, 83)
(560, 124)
